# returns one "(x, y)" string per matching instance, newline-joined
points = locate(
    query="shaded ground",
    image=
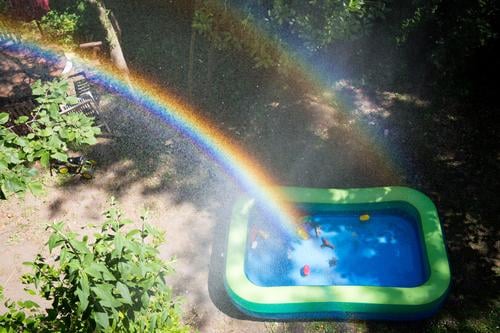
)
(302, 138)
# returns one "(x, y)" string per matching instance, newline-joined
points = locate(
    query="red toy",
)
(306, 270)
(326, 243)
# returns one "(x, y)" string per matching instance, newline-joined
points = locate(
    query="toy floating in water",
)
(326, 243)
(364, 217)
(305, 271)
(332, 262)
(314, 226)
(255, 234)
(302, 233)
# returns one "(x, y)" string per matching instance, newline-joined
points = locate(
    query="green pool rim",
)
(269, 301)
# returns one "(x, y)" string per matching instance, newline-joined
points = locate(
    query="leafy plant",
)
(226, 33)
(3, 6)
(51, 135)
(60, 26)
(318, 23)
(19, 315)
(113, 281)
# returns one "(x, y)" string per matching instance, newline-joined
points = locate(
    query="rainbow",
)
(205, 135)
(294, 62)
(173, 111)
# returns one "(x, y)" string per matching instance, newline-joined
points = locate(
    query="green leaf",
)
(22, 142)
(3, 164)
(145, 299)
(30, 292)
(13, 185)
(106, 274)
(101, 319)
(93, 271)
(60, 156)
(36, 188)
(45, 159)
(38, 91)
(83, 298)
(84, 283)
(63, 256)
(53, 110)
(118, 241)
(124, 292)
(55, 142)
(133, 232)
(28, 304)
(152, 324)
(54, 240)
(4, 117)
(22, 120)
(46, 132)
(90, 140)
(105, 297)
(63, 133)
(71, 100)
(79, 246)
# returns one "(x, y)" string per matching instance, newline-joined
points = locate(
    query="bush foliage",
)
(51, 135)
(113, 281)
(406, 44)
(60, 27)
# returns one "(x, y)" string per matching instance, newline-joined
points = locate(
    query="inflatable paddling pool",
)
(375, 253)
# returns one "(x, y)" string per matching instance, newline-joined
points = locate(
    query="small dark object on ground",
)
(77, 165)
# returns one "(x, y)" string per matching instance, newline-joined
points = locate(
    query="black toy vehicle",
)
(77, 165)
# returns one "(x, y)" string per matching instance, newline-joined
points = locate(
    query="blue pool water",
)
(384, 251)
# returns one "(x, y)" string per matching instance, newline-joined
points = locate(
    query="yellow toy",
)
(302, 233)
(364, 218)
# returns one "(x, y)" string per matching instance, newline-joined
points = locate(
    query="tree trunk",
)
(191, 61)
(115, 50)
(116, 26)
(210, 70)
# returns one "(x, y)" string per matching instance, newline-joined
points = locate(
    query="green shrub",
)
(52, 134)
(3, 6)
(113, 281)
(60, 27)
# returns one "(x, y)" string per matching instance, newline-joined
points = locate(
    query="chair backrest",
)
(88, 106)
(83, 86)
(85, 105)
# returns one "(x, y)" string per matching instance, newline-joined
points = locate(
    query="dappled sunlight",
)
(339, 195)
(357, 101)
(450, 159)
(389, 98)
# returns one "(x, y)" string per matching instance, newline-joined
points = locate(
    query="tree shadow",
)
(20, 69)
(453, 158)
